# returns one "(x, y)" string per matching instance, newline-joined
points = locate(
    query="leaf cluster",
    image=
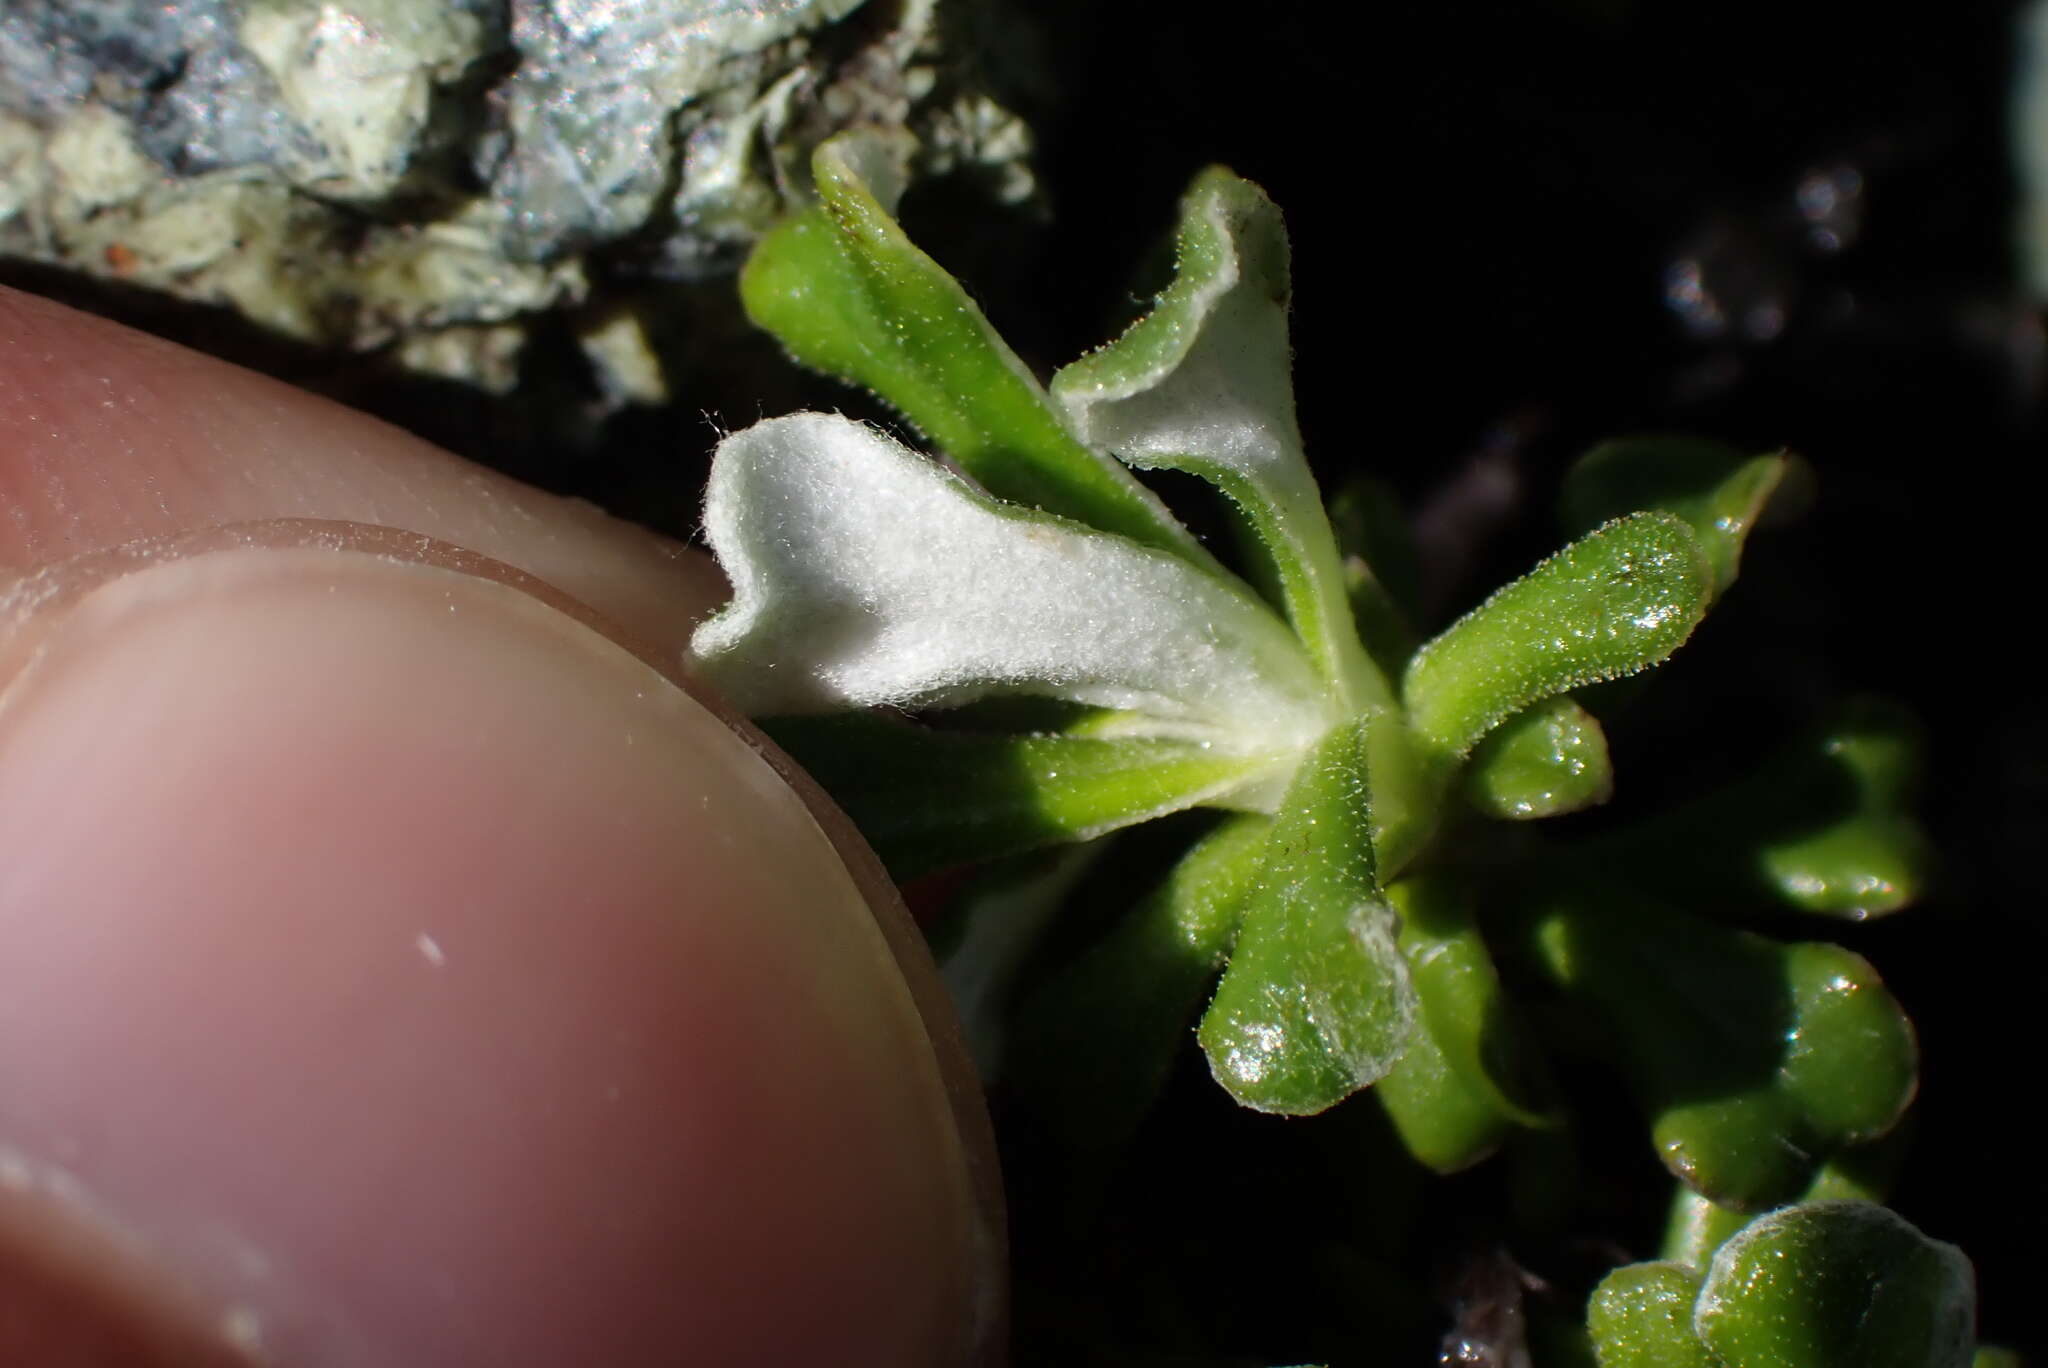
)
(1021, 648)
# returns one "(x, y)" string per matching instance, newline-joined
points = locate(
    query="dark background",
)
(1486, 202)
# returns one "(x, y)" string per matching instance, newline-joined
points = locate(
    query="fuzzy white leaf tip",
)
(1204, 384)
(1207, 373)
(864, 574)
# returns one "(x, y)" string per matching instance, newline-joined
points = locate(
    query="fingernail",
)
(394, 969)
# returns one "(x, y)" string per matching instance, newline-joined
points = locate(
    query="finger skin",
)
(108, 436)
(773, 1171)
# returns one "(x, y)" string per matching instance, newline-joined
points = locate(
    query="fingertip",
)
(423, 978)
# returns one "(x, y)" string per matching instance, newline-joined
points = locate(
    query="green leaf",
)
(1317, 1002)
(1202, 384)
(1717, 490)
(1696, 1227)
(1641, 1317)
(1756, 1061)
(929, 799)
(1618, 600)
(1824, 827)
(1095, 1042)
(1837, 1285)
(1548, 760)
(1463, 1082)
(848, 294)
(1408, 790)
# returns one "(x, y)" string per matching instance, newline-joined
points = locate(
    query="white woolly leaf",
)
(1203, 384)
(865, 574)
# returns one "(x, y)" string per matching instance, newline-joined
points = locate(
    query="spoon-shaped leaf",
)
(1825, 826)
(1618, 600)
(864, 574)
(1545, 761)
(1837, 1285)
(1203, 384)
(848, 294)
(1755, 1060)
(1641, 1317)
(1316, 1003)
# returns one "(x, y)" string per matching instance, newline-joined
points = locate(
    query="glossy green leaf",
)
(848, 294)
(1717, 490)
(1755, 1060)
(1095, 1042)
(1463, 1082)
(1203, 384)
(1545, 761)
(1824, 827)
(1618, 600)
(1837, 1285)
(927, 799)
(1640, 1316)
(1876, 861)
(1991, 1357)
(1697, 1227)
(1317, 1002)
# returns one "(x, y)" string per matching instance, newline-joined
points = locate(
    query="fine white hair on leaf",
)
(1203, 384)
(865, 574)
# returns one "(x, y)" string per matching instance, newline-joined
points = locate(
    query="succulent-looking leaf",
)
(1824, 827)
(848, 294)
(1697, 1227)
(1641, 1317)
(1462, 1083)
(1545, 761)
(1203, 384)
(1618, 600)
(1094, 1044)
(1756, 1061)
(1316, 1003)
(1877, 859)
(1717, 490)
(1837, 1285)
(865, 575)
(928, 799)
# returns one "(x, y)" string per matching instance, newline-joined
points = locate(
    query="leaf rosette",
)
(1009, 643)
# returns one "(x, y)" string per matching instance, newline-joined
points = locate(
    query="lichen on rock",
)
(430, 176)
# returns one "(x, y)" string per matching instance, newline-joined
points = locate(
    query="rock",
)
(432, 177)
